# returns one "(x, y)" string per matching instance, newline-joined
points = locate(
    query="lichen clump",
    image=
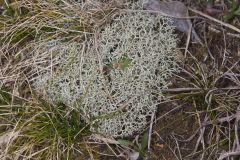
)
(116, 85)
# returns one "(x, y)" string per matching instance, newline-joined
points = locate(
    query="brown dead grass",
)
(200, 123)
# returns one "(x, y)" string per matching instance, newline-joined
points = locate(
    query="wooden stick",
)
(215, 20)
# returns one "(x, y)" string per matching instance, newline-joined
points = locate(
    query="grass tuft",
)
(43, 130)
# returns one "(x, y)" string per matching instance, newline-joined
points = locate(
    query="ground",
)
(198, 120)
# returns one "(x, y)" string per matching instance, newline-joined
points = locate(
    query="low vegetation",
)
(197, 113)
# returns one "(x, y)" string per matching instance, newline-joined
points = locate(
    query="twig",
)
(150, 130)
(228, 154)
(228, 33)
(181, 89)
(188, 40)
(178, 148)
(215, 20)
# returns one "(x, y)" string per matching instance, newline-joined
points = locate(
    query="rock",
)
(174, 9)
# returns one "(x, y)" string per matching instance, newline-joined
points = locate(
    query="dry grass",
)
(31, 128)
(204, 97)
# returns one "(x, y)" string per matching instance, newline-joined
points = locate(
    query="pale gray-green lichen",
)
(62, 71)
(116, 85)
(146, 41)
